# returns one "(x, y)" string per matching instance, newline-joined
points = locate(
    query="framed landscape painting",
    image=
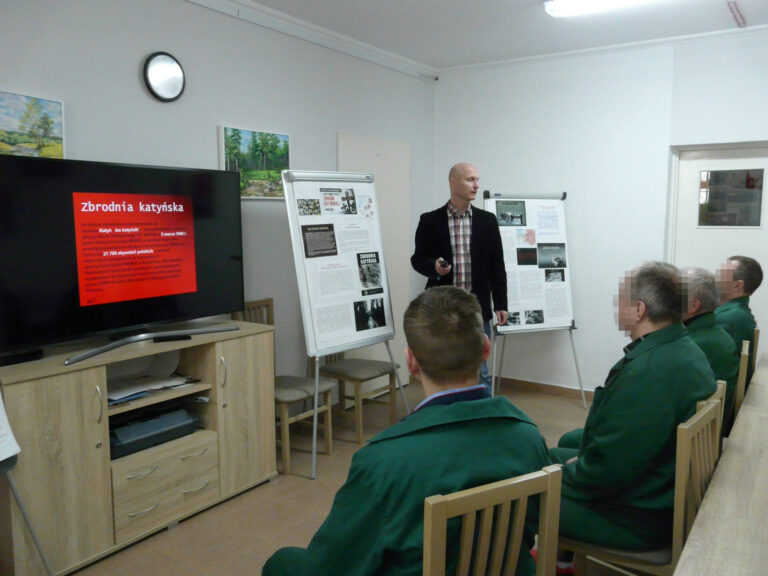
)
(31, 126)
(259, 157)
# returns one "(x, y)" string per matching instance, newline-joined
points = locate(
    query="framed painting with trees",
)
(31, 126)
(259, 157)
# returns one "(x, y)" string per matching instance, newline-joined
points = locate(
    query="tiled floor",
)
(236, 537)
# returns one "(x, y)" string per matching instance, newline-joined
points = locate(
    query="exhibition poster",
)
(535, 256)
(340, 265)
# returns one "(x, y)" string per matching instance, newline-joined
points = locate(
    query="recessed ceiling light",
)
(565, 8)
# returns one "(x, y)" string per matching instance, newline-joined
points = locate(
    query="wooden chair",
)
(357, 372)
(292, 390)
(741, 380)
(696, 457)
(755, 339)
(718, 396)
(489, 541)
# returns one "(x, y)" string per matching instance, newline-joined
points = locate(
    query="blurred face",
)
(624, 308)
(724, 279)
(464, 184)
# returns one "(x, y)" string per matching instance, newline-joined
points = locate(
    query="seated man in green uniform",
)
(458, 437)
(738, 277)
(701, 298)
(619, 471)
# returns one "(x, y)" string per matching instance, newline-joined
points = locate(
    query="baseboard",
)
(508, 383)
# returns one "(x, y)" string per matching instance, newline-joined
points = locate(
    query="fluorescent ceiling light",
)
(565, 8)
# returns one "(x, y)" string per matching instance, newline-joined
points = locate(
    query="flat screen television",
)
(93, 247)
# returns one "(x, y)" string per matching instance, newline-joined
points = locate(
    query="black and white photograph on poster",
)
(552, 255)
(308, 206)
(319, 240)
(513, 319)
(510, 212)
(369, 314)
(534, 316)
(337, 201)
(369, 269)
(348, 203)
(554, 275)
(526, 256)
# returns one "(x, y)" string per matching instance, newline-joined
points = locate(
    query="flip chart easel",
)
(340, 269)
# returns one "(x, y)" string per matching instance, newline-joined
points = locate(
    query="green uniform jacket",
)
(627, 452)
(376, 523)
(720, 350)
(736, 318)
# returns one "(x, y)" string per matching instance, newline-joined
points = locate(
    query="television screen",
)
(93, 247)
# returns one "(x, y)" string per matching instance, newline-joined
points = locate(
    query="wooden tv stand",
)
(82, 504)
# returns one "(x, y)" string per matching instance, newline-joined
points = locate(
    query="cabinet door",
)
(246, 411)
(62, 473)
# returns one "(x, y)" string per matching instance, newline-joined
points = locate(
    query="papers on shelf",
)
(8, 445)
(124, 389)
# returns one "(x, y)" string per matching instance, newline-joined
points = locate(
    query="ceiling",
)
(441, 34)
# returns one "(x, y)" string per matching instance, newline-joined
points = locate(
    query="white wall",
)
(598, 126)
(90, 56)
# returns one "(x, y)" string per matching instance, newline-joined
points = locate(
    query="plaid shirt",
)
(460, 228)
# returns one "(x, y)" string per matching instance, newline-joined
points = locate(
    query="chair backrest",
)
(741, 380)
(493, 518)
(718, 396)
(697, 442)
(258, 311)
(755, 338)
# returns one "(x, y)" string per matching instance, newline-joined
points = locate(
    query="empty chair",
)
(292, 393)
(493, 517)
(697, 441)
(358, 371)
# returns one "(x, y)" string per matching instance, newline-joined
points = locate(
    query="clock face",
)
(164, 76)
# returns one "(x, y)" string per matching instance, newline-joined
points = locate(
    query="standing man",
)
(738, 277)
(460, 245)
(619, 470)
(700, 301)
(458, 437)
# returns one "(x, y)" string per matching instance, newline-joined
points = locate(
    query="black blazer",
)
(489, 276)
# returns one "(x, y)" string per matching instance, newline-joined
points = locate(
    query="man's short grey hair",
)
(657, 284)
(700, 283)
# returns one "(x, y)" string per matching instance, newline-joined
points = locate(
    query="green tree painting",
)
(259, 157)
(30, 126)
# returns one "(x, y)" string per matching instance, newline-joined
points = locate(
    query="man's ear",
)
(412, 363)
(486, 347)
(695, 306)
(738, 286)
(640, 310)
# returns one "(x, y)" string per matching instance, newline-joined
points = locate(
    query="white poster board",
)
(536, 258)
(334, 223)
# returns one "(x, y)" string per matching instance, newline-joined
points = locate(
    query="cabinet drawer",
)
(158, 485)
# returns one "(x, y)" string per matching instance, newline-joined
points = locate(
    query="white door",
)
(707, 246)
(390, 163)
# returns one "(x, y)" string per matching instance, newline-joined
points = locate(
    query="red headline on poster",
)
(132, 246)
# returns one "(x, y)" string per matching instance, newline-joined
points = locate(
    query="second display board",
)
(536, 258)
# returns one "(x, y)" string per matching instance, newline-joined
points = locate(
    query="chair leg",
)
(392, 398)
(358, 413)
(285, 439)
(327, 423)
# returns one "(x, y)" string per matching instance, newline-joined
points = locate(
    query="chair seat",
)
(295, 388)
(358, 368)
(660, 557)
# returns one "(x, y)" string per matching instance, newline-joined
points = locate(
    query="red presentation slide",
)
(132, 246)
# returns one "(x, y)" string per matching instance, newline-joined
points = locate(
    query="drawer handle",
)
(143, 512)
(198, 489)
(141, 474)
(195, 455)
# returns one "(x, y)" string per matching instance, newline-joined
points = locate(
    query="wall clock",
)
(164, 76)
